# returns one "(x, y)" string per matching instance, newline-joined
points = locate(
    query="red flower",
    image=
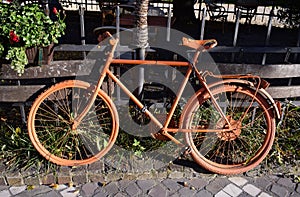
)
(9, 1)
(13, 37)
(55, 11)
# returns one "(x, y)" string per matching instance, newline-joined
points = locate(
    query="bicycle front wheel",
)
(232, 150)
(51, 118)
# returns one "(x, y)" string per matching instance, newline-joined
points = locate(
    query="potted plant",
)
(26, 27)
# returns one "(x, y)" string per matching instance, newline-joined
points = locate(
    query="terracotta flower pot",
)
(40, 56)
(47, 54)
(31, 54)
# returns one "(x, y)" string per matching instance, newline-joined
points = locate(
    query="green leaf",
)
(3, 147)
(136, 142)
(142, 148)
(138, 153)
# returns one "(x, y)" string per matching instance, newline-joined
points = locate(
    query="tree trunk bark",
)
(141, 36)
(141, 30)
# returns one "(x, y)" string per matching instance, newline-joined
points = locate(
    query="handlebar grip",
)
(109, 34)
(112, 40)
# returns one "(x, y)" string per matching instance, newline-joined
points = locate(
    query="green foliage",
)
(17, 151)
(137, 144)
(286, 149)
(25, 26)
(1, 49)
(18, 58)
(138, 148)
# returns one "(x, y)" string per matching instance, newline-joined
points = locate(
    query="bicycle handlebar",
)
(109, 34)
(112, 40)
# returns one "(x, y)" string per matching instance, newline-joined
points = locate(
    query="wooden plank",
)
(266, 71)
(74, 47)
(218, 49)
(55, 69)
(24, 92)
(81, 48)
(81, 68)
(284, 91)
(270, 49)
(18, 93)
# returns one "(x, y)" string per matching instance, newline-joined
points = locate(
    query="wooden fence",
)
(21, 89)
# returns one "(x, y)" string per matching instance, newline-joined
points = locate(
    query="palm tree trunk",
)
(141, 30)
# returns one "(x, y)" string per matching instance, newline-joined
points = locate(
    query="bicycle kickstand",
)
(185, 153)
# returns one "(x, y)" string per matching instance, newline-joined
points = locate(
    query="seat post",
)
(195, 58)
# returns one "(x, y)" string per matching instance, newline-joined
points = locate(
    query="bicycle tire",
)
(51, 118)
(235, 151)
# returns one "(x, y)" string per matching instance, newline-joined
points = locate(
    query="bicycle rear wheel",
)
(239, 149)
(51, 118)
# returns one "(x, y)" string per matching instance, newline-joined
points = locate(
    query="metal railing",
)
(265, 15)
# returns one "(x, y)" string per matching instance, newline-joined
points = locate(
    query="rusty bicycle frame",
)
(199, 45)
(229, 125)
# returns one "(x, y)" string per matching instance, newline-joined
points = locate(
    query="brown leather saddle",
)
(199, 44)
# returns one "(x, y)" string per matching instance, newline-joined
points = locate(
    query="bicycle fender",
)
(274, 103)
(249, 83)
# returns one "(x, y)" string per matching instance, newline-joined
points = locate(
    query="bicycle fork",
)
(94, 94)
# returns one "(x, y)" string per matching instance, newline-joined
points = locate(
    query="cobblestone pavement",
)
(204, 186)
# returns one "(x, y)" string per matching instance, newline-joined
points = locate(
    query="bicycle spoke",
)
(244, 144)
(51, 129)
(258, 117)
(50, 111)
(63, 105)
(58, 103)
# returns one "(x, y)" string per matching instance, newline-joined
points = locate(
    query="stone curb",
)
(218, 186)
(84, 174)
(178, 179)
(97, 172)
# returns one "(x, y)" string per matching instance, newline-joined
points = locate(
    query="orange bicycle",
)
(229, 125)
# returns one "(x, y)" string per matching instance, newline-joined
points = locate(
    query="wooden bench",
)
(270, 73)
(21, 91)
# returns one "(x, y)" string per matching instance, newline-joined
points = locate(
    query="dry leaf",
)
(76, 191)
(54, 185)
(71, 184)
(30, 187)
